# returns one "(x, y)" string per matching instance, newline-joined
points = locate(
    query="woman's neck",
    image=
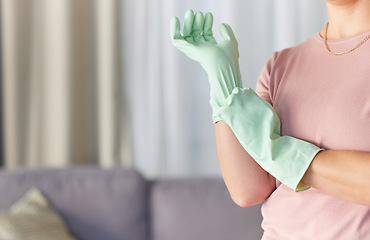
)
(346, 20)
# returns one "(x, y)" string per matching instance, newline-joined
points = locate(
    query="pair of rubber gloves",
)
(252, 119)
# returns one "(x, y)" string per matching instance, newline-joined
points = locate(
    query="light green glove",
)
(257, 127)
(252, 119)
(219, 60)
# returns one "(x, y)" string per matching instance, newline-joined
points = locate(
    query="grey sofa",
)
(120, 204)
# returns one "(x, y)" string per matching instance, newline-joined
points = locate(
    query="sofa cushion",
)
(33, 218)
(96, 204)
(186, 209)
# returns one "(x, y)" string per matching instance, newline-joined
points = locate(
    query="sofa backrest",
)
(200, 209)
(119, 204)
(96, 204)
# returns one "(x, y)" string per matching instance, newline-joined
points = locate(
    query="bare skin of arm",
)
(341, 174)
(247, 182)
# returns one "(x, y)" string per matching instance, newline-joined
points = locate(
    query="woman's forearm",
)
(246, 181)
(342, 174)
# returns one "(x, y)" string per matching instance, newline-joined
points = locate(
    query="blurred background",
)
(98, 82)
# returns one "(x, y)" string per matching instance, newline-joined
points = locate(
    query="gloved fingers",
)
(198, 24)
(207, 31)
(188, 23)
(208, 23)
(227, 33)
(175, 28)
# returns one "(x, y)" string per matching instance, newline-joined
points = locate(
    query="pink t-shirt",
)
(325, 100)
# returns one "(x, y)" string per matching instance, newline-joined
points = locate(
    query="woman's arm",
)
(341, 174)
(246, 181)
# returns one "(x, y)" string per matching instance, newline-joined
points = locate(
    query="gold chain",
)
(342, 53)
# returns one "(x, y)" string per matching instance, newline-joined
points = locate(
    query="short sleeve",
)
(263, 86)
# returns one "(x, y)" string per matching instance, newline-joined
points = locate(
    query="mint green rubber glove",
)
(252, 119)
(257, 127)
(219, 60)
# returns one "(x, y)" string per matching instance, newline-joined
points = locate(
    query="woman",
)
(320, 91)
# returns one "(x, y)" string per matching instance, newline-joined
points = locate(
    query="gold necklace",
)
(342, 53)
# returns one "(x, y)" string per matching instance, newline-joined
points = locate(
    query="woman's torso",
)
(323, 99)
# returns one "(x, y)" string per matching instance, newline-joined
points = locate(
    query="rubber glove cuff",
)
(257, 127)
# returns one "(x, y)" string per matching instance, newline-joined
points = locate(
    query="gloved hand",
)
(219, 60)
(252, 119)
